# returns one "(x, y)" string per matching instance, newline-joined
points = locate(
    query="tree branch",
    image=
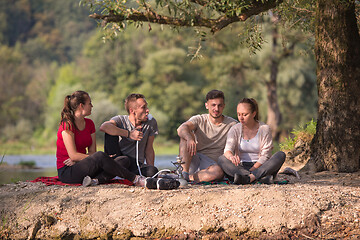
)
(214, 24)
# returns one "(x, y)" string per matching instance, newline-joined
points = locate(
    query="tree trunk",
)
(273, 110)
(336, 145)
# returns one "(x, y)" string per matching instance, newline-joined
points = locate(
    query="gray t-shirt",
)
(211, 138)
(128, 145)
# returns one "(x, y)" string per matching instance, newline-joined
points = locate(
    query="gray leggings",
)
(270, 167)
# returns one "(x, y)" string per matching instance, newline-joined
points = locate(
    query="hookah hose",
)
(138, 164)
(137, 156)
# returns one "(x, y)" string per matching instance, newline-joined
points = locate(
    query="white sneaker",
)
(87, 181)
(140, 181)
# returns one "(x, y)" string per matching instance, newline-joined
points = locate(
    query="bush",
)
(21, 131)
(304, 133)
(27, 164)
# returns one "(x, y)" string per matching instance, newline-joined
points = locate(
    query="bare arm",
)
(149, 151)
(92, 148)
(69, 141)
(255, 166)
(234, 158)
(110, 128)
(185, 131)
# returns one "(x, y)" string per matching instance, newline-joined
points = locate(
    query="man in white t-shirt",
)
(203, 138)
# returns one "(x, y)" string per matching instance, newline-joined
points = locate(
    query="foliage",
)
(214, 15)
(298, 13)
(27, 164)
(22, 130)
(56, 55)
(304, 133)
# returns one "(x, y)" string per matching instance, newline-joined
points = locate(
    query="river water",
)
(46, 167)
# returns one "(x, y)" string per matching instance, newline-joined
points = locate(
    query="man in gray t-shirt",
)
(123, 132)
(203, 138)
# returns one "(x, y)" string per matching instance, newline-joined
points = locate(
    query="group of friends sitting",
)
(212, 145)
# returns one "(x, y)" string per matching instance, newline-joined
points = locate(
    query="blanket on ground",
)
(55, 181)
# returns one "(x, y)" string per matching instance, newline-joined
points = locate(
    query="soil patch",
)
(321, 205)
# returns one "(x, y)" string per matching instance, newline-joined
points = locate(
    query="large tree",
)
(336, 145)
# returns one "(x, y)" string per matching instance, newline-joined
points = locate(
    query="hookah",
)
(177, 164)
(179, 170)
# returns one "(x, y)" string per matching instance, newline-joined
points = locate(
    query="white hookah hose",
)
(137, 157)
(163, 170)
(137, 150)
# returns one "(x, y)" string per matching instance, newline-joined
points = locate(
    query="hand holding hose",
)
(136, 134)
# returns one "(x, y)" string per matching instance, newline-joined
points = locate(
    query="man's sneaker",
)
(167, 184)
(241, 179)
(168, 175)
(162, 183)
(87, 181)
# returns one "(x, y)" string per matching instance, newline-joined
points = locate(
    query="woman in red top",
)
(77, 158)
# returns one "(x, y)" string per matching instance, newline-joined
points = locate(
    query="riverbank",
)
(162, 147)
(321, 205)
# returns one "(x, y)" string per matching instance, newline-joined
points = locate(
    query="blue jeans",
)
(270, 167)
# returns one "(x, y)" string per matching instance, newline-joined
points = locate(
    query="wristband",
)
(128, 134)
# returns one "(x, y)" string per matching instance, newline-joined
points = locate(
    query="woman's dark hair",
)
(253, 105)
(71, 103)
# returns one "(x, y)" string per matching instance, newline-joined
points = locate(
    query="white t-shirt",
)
(249, 149)
(211, 138)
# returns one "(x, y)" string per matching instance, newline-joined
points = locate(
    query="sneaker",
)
(168, 175)
(162, 183)
(140, 181)
(241, 179)
(87, 181)
(267, 180)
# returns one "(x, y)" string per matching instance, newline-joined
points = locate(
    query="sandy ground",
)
(323, 205)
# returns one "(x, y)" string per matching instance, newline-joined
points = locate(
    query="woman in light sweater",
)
(247, 154)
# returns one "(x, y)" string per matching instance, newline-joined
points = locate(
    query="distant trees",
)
(35, 38)
(336, 145)
(58, 55)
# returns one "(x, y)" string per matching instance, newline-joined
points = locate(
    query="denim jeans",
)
(270, 167)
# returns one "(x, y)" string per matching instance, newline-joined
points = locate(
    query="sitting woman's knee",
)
(101, 155)
(281, 155)
(279, 158)
(222, 159)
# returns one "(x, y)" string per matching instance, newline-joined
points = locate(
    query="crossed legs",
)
(199, 167)
(270, 167)
(111, 147)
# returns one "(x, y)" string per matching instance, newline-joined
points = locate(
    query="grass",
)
(162, 147)
(27, 164)
(21, 148)
(305, 133)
